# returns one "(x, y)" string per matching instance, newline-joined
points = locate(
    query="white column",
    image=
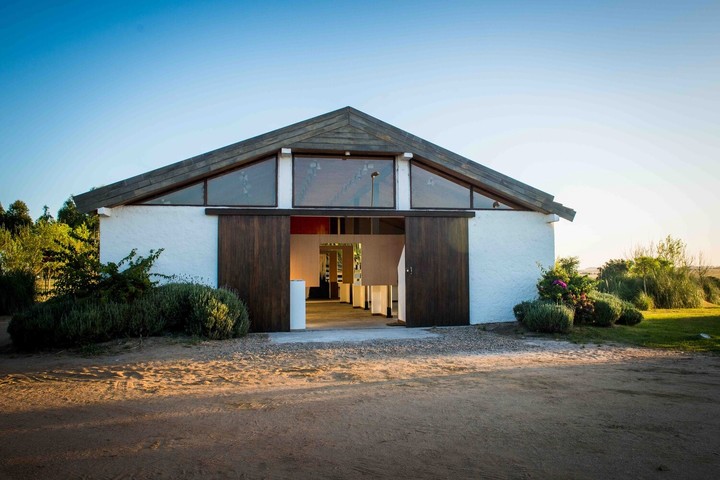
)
(378, 300)
(284, 180)
(402, 179)
(297, 305)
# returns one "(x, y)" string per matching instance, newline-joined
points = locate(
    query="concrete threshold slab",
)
(351, 335)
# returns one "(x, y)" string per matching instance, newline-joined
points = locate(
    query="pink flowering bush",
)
(564, 285)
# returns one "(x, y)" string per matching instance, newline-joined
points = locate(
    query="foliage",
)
(678, 329)
(661, 272)
(69, 321)
(674, 288)
(608, 309)
(615, 277)
(79, 270)
(124, 285)
(564, 284)
(629, 315)
(643, 301)
(46, 216)
(711, 289)
(70, 215)
(17, 291)
(214, 314)
(543, 316)
(92, 321)
(520, 310)
(16, 217)
(613, 269)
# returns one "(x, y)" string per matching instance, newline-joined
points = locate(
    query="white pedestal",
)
(344, 292)
(297, 304)
(358, 296)
(378, 297)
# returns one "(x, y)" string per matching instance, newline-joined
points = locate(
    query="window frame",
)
(512, 206)
(457, 181)
(204, 183)
(349, 158)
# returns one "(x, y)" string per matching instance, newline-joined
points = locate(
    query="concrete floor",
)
(332, 315)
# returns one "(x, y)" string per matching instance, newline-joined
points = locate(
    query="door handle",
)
(409, 270)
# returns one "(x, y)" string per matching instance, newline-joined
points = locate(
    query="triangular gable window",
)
(482, 202)
(432, 190)
(192, 195)
(252, 186)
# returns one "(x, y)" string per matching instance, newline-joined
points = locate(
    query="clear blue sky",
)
(613, 107)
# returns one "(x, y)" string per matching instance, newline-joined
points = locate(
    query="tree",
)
(70, 215)
(673, 251)
(27, 250)
(2, 216)
(46, 216)
(643, 267)
(17, 217)
(78, 263)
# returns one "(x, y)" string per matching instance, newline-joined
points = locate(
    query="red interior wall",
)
(309, 225)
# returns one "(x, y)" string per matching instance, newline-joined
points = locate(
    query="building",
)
(459, 242)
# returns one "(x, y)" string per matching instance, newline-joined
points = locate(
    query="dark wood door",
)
(254, 260)
(436, 271)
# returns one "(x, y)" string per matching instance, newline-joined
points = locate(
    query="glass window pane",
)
(481, 202)
(430, 190)
(344, 182)
(252, 185)
(192, 195)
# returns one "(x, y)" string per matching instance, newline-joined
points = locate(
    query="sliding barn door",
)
(254, 260)
(436, 271)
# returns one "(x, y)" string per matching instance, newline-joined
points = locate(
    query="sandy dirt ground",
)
(490, 406)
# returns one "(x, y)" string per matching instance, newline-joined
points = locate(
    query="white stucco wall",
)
(505, 249)
(189, 237)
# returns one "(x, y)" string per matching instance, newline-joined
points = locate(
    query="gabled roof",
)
(346, 129)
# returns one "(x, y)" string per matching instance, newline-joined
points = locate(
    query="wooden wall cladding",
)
(437, 280)
(254, 260)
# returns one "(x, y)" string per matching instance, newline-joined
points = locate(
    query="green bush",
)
(548, 317)
(146, 317)
(520, 309)
(643, 301)
(629, 315)
(711, 289)
(17, 291)
(171, 304)
(615, 277)
(36, 326)
(674, 288)
(91, 322)
(128, 279)
(608, 309)
(214, 314)
(68, 321)
(564, 284)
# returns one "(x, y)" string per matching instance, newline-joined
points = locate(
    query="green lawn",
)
(675, 329)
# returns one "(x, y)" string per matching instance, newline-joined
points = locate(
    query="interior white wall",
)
(189, 237)
(401, 286)
(505, 248)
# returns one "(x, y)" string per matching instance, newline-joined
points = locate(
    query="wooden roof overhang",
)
(343, 130)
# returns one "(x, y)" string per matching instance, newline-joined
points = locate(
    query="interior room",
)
(349, 267)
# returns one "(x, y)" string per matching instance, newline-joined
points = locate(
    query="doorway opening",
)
(350, 269)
